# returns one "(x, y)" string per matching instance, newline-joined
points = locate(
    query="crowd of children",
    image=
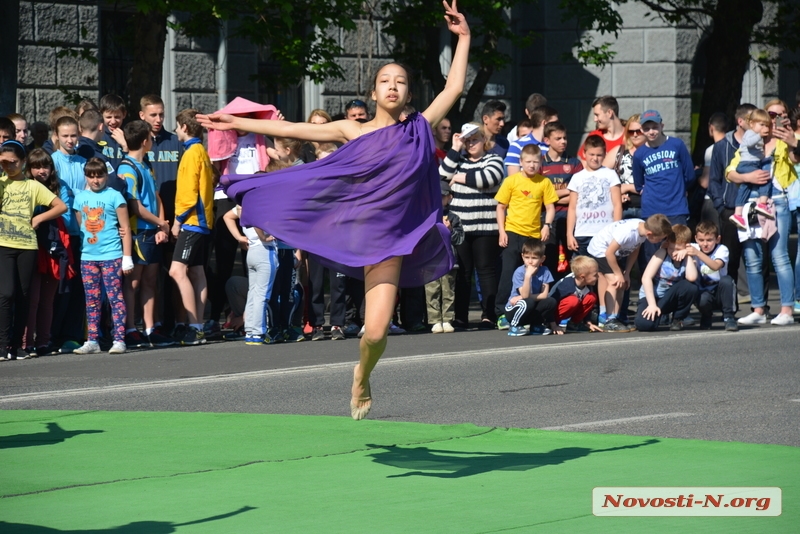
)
(91, 238)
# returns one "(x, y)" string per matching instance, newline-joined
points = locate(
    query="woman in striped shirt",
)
(474, 178)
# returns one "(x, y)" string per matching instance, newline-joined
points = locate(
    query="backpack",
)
(139, 178)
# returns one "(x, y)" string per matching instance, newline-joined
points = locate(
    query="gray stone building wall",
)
(47, 69)
(49, 35)
(652, 69)
(366, 49)
(194, 80)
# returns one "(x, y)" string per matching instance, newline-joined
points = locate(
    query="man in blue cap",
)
(662, 173)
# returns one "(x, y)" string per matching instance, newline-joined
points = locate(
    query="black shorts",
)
(605, 268)
(190, 248)
(145, 250)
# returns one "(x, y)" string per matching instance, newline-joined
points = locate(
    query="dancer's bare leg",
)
(380, 285)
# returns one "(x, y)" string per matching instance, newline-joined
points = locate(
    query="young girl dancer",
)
(380, 192)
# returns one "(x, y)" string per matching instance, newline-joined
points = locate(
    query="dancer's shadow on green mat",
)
(438, 463)
(138, 527)
(55, 434)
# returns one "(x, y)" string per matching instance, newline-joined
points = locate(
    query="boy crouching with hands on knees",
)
(668, 283)
(529, 301)
(716, 290)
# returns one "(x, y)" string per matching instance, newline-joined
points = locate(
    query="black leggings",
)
(17, 266)
(225, 247)
(477, 252)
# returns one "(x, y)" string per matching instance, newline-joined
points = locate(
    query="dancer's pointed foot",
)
(361, 402)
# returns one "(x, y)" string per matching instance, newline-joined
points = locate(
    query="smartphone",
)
(782, 122)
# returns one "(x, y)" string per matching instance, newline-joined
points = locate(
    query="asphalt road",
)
(713, 385)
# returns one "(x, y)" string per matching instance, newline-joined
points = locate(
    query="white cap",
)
(468, 130)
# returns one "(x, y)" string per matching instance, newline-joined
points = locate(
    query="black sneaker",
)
(46, 350)
(577, 327)
(193, 336)
(616, 327)
(276, 335)
(135, 340)
(178, 333)
(731, 325)
(676, 326)
(294, 334)
(705, 322)
(234, 335)
(319, 334)
(336, 333)
(157, 339)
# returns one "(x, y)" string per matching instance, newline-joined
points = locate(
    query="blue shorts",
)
(145, 250)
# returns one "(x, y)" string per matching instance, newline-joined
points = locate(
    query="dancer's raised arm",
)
(457, 76)
(338, 131)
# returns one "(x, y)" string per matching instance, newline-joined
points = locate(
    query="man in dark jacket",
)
(723, 190)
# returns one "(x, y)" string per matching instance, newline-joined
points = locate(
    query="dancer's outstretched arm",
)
(331, 132)
(457, 76)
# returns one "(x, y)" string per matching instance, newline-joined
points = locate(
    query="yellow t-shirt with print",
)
(19, 200)
(524, 197)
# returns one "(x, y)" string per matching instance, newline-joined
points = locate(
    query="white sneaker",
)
(118, 347)
(753, 318)
(395, 330)
(782, 319)
(447, 328)
(437, 329)
(361, 332)
(90, 347)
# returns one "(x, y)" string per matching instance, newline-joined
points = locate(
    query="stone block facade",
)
(52, 38)
(652, 67)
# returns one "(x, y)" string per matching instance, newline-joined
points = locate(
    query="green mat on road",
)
(150, 472)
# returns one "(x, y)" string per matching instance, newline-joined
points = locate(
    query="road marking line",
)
(795, 400)
(624, 420)
(536, 350)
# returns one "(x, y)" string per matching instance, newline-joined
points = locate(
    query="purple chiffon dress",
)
(375, 198)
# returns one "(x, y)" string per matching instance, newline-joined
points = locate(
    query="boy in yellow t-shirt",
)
(519, 210)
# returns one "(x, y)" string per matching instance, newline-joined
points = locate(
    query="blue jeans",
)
(797, 263)
(779, 250)
(745, 190)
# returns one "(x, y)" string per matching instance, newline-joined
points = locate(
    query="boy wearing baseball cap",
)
(662, 173)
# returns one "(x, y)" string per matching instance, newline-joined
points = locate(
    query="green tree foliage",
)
(416, 26)
(730, 27)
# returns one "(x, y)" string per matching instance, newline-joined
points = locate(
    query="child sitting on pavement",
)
(716, 290)
(529, 301)
(574, 297)
(668, 283)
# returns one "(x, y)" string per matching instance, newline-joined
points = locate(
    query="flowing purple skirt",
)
(375, 198)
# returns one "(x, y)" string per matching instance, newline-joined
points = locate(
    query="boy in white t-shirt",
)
(595, 198)
(616, 242)
(717, 290)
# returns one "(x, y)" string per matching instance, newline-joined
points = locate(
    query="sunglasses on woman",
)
(637, 131)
